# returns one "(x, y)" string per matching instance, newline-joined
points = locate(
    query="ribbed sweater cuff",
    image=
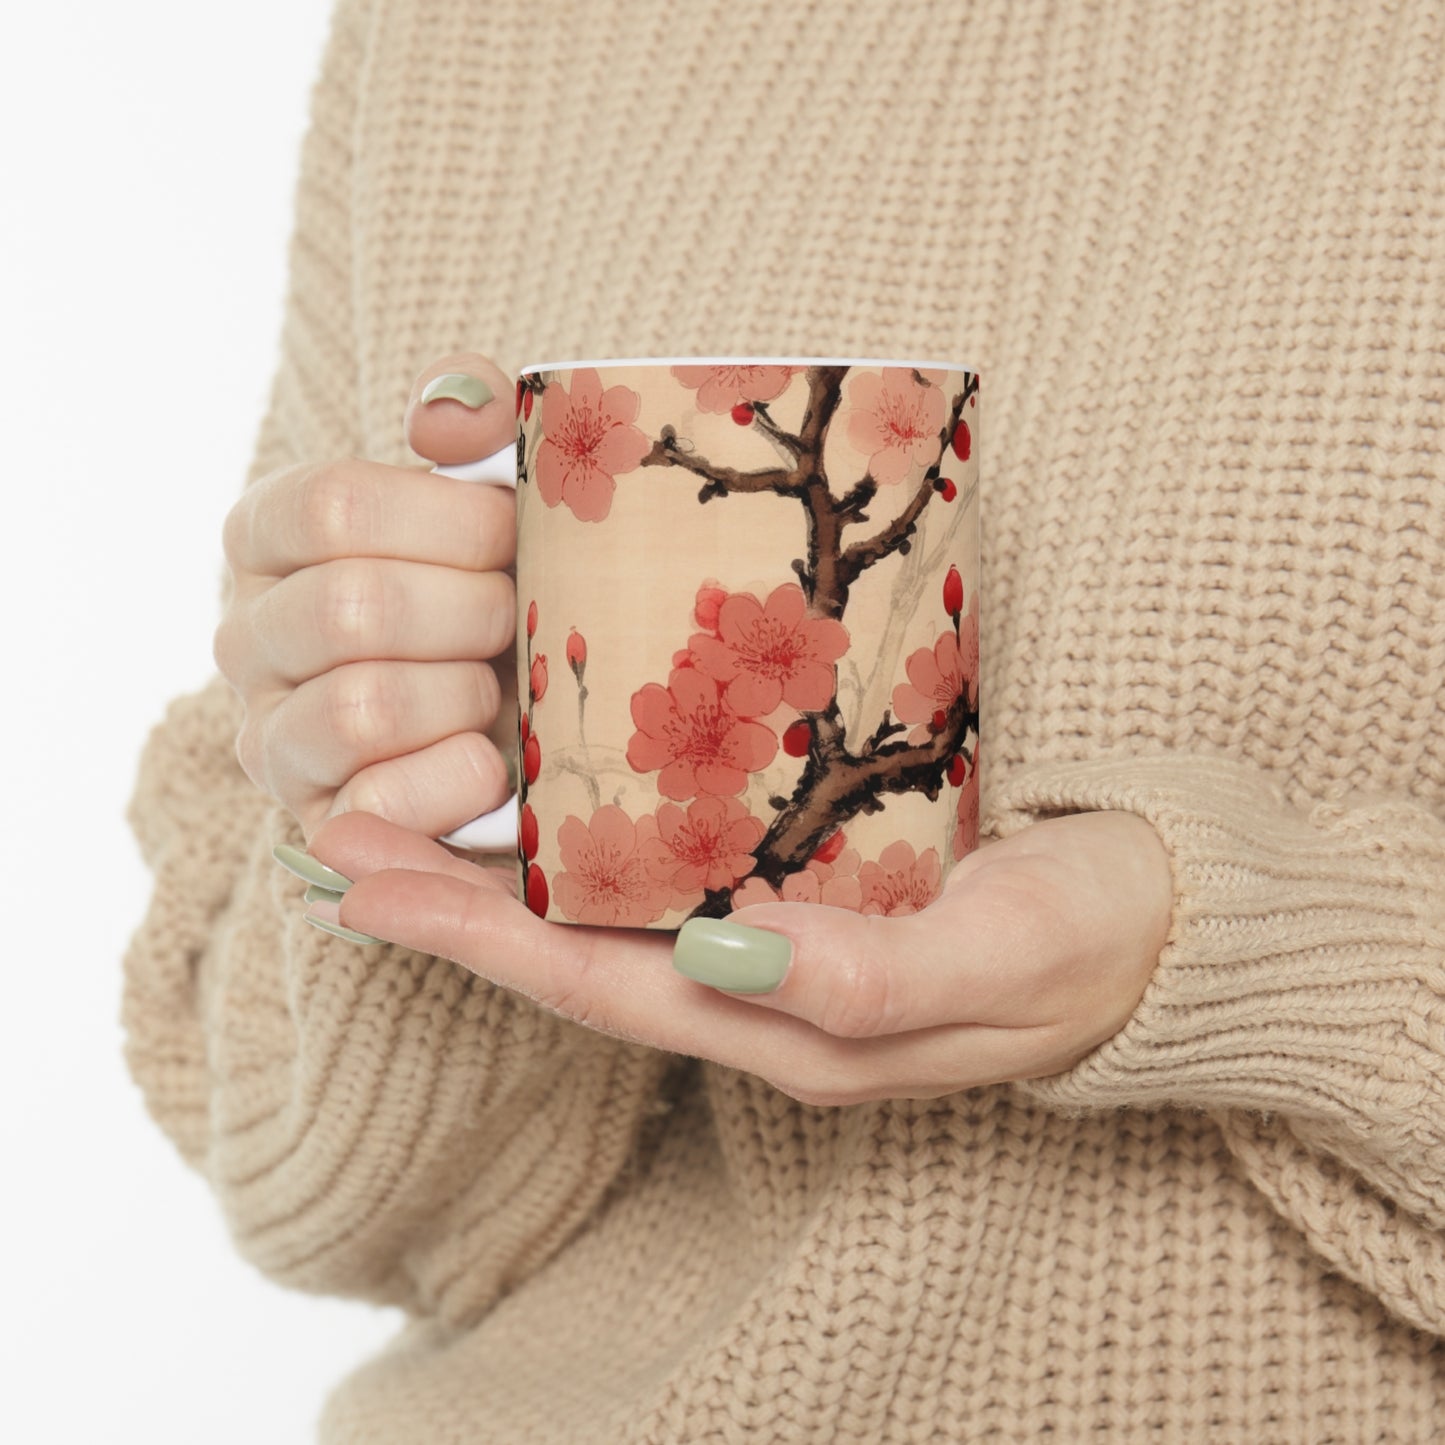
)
(1305, 967)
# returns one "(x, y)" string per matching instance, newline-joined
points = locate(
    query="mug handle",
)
(495, 831)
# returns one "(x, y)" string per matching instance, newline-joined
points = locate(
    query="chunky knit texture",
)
(1198, 253)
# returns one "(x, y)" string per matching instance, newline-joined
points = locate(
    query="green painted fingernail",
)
(322, 895)
(305, 867)
(471, 391)
(349, 934)
(728, 955)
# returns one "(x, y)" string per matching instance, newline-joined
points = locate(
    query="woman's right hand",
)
(367, 600)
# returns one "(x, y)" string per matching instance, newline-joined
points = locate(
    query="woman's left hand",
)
(1037, 951)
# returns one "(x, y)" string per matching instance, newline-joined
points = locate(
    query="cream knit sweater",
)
(1198, 253)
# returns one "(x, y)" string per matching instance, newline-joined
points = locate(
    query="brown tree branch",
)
(666, 453)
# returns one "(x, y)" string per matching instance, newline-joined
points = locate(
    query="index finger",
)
(302, 516)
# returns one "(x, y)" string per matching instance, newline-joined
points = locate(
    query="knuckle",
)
(250, 752)
(332, 509)
(353, 608)
(225, 647)
(501, 614)
(489, 693)
(361, 709)
(861, 999)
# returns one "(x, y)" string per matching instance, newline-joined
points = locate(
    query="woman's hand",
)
(1037, 951)
(366, 598)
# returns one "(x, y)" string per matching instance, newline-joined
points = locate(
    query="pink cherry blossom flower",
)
(605, 879)
(895, 422)
(965, 835)
(721, 388)
(708, 846)
(587, 441)
(936, 680)
(900, 883)
(773, 652)
(700, 745)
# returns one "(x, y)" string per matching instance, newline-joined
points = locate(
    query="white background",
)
(148, 153)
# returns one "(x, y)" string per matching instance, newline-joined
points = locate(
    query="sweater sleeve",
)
(1299, 1000)
(375, 1123)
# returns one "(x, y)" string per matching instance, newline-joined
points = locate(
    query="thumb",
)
(852, 975)
(462, 408)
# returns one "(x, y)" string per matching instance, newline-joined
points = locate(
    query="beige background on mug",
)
(629, 584)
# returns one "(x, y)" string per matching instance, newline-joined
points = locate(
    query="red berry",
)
(947, 489)
(831, 846)
(531, 759)
(532, 619)
(528, 834)
(940, 718)
(537, 891)
(962, 439)
(798, 739)
(953, 593)
(527, 404)
(743, 414)
(957, 770)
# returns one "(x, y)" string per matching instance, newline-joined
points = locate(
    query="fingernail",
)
(305, 867)
(728, 955)
(471, 391)
(349, 934)
(323, 895)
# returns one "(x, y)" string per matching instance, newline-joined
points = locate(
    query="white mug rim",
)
(610, 362)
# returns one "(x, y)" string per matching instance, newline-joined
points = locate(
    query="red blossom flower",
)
(708, 846)
(900, 883)
(587, 440)
(539, 676)
(965, 835)
(606, 879)
(699, 743)
(770, 653)
(895, 422)
(721, 388)
(936, 680)
(710, 598)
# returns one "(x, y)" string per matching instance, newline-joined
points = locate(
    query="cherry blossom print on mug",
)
(588, 441)
(605, 878)
(728, 388)
(768, 653)
(708, 846)
(687, 733)
(901, 882)
(894, 420)
(740, 777)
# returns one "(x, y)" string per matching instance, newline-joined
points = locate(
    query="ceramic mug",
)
(748, 645)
